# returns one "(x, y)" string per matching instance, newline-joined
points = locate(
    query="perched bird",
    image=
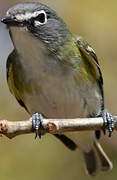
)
(56, 74)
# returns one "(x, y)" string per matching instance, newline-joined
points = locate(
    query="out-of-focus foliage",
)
(25, 158)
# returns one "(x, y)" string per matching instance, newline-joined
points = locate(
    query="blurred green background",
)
(47, 159)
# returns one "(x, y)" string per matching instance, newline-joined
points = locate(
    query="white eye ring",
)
(38, 22)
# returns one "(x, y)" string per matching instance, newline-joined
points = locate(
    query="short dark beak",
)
(7, 20)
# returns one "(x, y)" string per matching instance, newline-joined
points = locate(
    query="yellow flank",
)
(11, 83)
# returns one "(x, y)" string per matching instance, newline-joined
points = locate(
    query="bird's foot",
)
(37, 120)
(108, 122)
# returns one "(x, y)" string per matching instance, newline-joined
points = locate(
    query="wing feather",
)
(90, 55)
(10, 78)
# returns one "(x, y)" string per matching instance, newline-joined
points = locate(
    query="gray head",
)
(39, 20)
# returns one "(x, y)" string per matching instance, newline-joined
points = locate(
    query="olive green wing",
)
(90, 56)
(10, 78)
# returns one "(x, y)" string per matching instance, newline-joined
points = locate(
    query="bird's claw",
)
(37, 120)
(108, 122)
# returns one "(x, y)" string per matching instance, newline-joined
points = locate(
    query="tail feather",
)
(96, 160)
(105, 162)
(90, 162)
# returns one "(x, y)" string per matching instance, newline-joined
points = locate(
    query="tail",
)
(96, 160)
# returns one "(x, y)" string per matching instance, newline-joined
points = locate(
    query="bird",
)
(54, 73)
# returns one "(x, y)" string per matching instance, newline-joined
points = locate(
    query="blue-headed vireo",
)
(55, 73)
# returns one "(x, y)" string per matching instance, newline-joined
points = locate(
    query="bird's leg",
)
(108, 122)
(37, 120)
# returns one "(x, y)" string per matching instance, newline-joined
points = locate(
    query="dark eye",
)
(41, 18)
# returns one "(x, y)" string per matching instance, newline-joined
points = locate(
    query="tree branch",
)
(14, 128)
